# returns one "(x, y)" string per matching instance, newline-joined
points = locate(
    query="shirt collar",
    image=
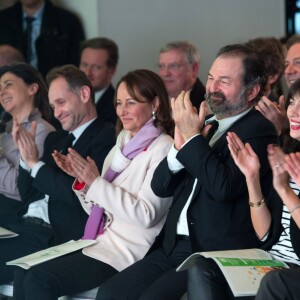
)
(78, 131)
(227, 122)
(38, 15)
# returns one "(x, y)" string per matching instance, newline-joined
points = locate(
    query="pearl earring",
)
(153, 115)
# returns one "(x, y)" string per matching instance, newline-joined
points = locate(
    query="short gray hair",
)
(189, 50)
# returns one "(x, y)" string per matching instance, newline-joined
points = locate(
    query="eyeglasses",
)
(171, 67)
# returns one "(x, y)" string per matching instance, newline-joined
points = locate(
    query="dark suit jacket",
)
(105, 106)
(59, 40)
(197, 93)
(275, 205)
(66, 215)
(218, 215)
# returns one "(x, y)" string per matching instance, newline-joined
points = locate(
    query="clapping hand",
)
(244, 156)
(25, 141)
(277, 162)
(86, 170)
(64, 163)
(185, 116)
(274, 112)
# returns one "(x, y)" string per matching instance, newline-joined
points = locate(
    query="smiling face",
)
(292, 64)
(93, 62)
(16, 97)
(68, 106)
(293, 113)
(224, 87)
(132, 113)
(177, 74)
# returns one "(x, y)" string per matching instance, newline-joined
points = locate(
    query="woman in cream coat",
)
(133, 215)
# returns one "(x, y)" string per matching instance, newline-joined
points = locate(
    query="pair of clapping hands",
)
(282, 165)
(85, 170)
(188, 122)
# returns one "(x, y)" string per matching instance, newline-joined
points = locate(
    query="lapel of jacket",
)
(88, 134)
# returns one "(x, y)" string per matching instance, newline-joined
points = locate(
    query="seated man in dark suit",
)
(179, 64)
(52, 213)
(210, 209)
(98, 60)
(47, 36)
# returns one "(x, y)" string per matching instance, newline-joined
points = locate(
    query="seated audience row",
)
(210, 209)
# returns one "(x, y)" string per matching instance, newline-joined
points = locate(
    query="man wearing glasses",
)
(178, 65)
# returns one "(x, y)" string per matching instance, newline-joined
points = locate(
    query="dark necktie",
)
(214, 126)
(68, 144)
(28, 37)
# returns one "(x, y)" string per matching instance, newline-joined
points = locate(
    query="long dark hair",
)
(149, 85)
(30, 75)
(290, 144)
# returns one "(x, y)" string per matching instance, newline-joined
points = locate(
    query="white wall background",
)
(141, 27)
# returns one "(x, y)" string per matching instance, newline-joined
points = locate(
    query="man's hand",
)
(86, 169)
(64, 163)
(187, 120)
(25, 141)
(274, 112)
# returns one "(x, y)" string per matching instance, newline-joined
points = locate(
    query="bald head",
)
(9, 55)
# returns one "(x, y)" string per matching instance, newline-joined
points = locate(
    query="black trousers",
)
(281, 284)
(206, 281)
(66, 275)
(153, 277)
(9, 209)
(31, 238)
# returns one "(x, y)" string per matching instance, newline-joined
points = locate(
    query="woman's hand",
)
(277, 162)
(244, 156)
(86, 169)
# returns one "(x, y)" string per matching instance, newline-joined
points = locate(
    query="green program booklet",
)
(243, 269)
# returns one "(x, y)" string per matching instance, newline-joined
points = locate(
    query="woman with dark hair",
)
(276, 220)
(125, 216)
(23, 95)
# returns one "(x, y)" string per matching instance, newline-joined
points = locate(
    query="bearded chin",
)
(216, 106)
(222, 108)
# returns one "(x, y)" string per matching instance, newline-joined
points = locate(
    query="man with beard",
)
(210, 209)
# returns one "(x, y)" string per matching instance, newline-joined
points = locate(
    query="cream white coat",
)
(135, 215)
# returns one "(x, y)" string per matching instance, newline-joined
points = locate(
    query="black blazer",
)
(66, 215)
(197, 93)
(218, 215)
(105, 106)
(59, 40)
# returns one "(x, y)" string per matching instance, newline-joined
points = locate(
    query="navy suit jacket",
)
(218, 215)
(59, 41)
(66, 214)
(105, 106)
(197, 93)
